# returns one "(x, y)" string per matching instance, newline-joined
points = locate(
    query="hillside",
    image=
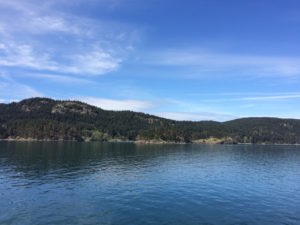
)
(47, 119)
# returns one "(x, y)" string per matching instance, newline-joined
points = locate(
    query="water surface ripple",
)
(123, 183)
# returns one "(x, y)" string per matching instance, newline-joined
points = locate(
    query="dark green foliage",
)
(43, 118)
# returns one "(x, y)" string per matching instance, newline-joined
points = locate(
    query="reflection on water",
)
(124, 183)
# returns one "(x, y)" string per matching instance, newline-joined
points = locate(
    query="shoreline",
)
(142, 142)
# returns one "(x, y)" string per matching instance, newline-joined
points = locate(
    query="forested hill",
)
(47, 119)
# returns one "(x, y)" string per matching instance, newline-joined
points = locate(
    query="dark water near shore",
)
(123, 183)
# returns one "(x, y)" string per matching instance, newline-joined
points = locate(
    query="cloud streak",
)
(209, 61)
(58, 78)
(265, 98)
(200, 116)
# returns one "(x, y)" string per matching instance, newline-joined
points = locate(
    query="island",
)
(48, 119)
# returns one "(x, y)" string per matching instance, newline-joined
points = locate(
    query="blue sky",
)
(185, 60)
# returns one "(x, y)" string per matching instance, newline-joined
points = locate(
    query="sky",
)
(184, 60)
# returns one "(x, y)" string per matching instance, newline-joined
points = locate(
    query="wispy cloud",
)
(254, 98)
(96, 62)
(93, 63)
(23, 55)
(45, 37)
(264, 98)
(57, 78)
(210, 61)
(119, 104)
(200, 116)
(11, 91)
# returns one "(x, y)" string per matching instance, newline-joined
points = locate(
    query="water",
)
(123, 183)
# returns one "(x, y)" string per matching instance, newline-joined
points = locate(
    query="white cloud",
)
(116, 104)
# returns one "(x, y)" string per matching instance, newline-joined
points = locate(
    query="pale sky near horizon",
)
(184, 60)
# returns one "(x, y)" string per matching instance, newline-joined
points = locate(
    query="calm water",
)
(94, 183)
